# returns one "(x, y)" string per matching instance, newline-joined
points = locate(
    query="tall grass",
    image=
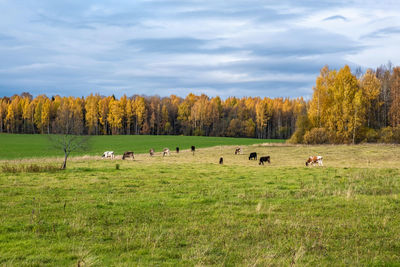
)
(17, 168)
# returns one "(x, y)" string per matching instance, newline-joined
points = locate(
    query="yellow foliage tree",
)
(115, 116)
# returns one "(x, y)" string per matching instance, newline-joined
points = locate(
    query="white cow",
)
(108, 154)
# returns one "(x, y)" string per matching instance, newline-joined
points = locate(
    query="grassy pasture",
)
(16, 146)
(189, 210)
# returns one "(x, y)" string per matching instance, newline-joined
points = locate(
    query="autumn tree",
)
(394, 112)
(141, 113)
(262, 116)
(370, 86)
(115, 115)
(92, 113)
(103, 113)
(3, 113)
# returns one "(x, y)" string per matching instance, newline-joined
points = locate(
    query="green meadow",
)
(16, 146)
(187, 210)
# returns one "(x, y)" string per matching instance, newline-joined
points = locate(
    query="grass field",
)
(188, 210)
(16, 146)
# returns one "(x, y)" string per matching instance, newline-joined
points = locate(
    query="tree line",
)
(351, 107)
(193, 115)
(345, 107)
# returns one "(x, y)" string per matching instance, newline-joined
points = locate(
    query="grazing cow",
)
(264, 159)
(128, 154)
(165, 152)
(221, 160)
(253, 155)
(312, 160)
(108, 154)
(238, 150)
(177, 149)
(151, 152)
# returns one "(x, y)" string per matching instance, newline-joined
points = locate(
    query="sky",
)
(163, 47)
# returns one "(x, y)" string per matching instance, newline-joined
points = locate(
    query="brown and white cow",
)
(312, 160)
(166, 152)
(238, 151)
(151, 152)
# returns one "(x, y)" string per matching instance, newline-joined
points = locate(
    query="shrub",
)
(198, 132)
(371, 135)
(390, 135)
(303, 124)
(316, 136)
(386, 135)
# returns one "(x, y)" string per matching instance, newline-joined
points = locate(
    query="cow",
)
(253, 155)
(128, 154)
(312, 160)
(221, 160)
(264, 159)
(165, 152)
(238, 150)
(108, 154)
(193, 148)
(177, 149)
(151, 152)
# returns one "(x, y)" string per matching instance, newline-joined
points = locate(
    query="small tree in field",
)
(69, 143)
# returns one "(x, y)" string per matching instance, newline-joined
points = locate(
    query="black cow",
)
(264, 159)
(221, 160)
(253, 155)
(177, 149)
(193, 148)
(128, 154)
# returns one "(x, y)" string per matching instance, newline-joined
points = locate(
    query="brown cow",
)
(128, 154)
(151, 152)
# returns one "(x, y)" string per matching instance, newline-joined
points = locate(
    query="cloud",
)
(382, 33)
(4, 37)
(336, 17)
(162, 47)
(167, 45)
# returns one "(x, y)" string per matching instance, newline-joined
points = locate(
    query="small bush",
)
(28, 168)
(198, 132)
(371, 135)
(316, 136)
(390, 135)
(303, 124)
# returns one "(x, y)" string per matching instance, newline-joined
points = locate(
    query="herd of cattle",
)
(311, 161)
